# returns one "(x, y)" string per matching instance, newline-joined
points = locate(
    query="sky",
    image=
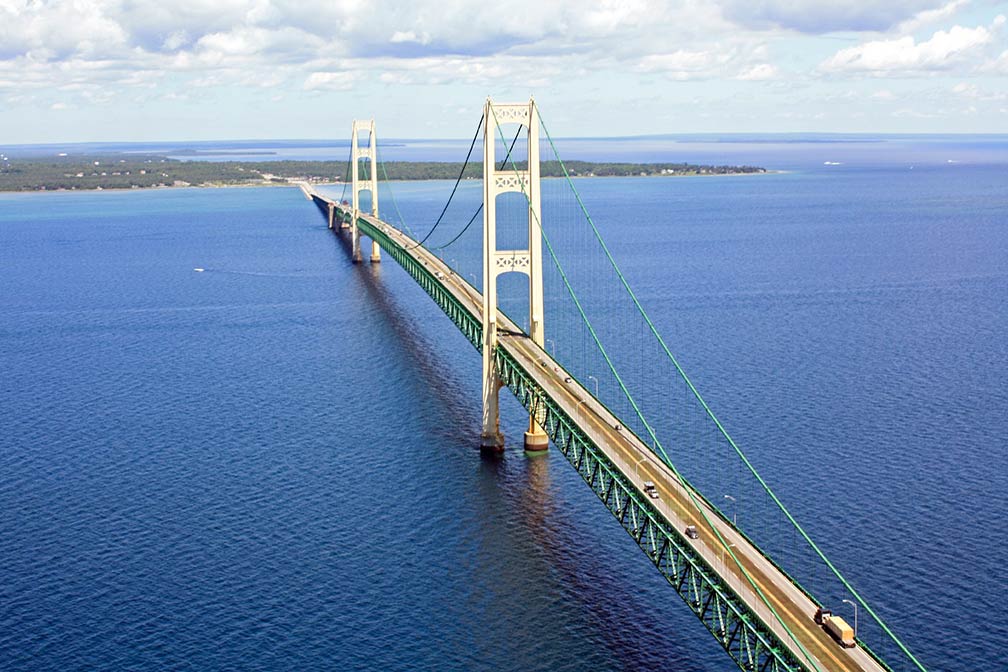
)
(138, 70)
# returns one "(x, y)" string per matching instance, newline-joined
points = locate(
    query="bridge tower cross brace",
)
(359, 185)
(497, 262)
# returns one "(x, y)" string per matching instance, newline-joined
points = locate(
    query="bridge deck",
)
(638, 464)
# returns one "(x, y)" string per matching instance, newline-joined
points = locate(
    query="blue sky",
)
(133, 70)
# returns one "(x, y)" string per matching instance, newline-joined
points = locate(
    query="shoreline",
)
(271, 184)
(120, 172)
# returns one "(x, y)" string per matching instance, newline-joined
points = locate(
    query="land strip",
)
(136, 171)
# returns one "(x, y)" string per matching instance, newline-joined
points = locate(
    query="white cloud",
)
(409, 36)
(328, 81)
(825, 16)
(87, 53)
(997, 65)
(930, 17)
(218, 39)
(681, 60)
(177, 39)
(58, 30)
(944, 50)
(759, 72)
(974, 92)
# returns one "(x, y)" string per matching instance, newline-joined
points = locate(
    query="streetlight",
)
(596, 385)
(637, 464)
(853, 604)
(723, 549)
(551, 341)
(584, 420)
(734, 508)
(473, 276)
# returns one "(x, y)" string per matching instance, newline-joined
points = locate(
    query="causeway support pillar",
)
(536, 439)
(496, 262)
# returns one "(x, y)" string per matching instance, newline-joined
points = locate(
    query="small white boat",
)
(199, 270)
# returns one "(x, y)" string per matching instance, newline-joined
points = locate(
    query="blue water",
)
(780, 151)
(271, 463)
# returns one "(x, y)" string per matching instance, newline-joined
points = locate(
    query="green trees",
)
(126, 171)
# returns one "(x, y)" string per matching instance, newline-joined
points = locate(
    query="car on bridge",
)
(836, 627)
(649, 488)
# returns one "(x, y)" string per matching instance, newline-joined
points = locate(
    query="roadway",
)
(639, 464)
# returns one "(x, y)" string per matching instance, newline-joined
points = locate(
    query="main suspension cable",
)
(480, 208)
(458, 180)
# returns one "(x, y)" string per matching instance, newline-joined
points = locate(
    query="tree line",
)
(125, 171)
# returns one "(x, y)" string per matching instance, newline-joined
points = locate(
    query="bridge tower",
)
(359, 185)
(497, 262)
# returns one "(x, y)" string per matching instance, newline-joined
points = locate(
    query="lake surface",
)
(272, 463)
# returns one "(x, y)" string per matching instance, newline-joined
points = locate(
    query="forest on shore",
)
(133, 171)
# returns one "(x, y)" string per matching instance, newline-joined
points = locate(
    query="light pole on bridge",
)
(734, 509)
(552, 343)
(637, 464)
(853, 604)
(723, 549)
(596, 384)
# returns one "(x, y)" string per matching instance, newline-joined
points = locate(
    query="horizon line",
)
(645, 136)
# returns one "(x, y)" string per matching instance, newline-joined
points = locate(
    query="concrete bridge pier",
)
(536, 439)
(491, 439)
(492, 442)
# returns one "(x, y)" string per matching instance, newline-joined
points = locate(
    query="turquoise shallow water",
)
(271, 463)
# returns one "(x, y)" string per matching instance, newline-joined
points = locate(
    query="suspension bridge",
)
(612, 398)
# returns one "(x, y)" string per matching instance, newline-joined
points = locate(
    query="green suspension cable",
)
(633, 403)
(395, 205)
(717, 422)
(346, 175)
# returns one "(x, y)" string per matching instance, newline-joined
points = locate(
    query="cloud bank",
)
(82, 54)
